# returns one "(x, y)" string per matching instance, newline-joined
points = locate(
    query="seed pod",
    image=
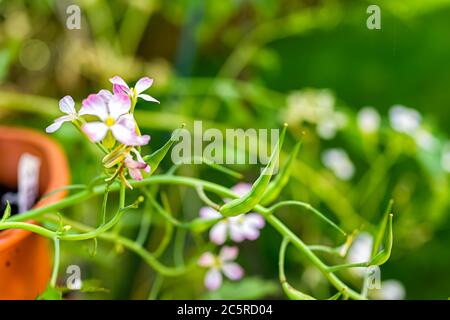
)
(154, 159)
(385, 253)
(252, 198)
(276, 186)
(381, 229)
(7, 212)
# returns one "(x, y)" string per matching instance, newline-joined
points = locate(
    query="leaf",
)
(50, 293)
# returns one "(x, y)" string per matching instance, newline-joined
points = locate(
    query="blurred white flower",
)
(445, 160)
(404, 119)
(368, 120)
(316, 107)
(424, 139)
(360, 251)
(338, 161)
(390, 290)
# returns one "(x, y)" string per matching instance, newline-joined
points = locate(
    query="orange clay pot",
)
(25, 258)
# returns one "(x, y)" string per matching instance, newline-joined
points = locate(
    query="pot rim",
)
(54, 157)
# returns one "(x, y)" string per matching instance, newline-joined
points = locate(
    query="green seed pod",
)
(154, 159)
(251, 199)
(276, 186)
(385, 253)
(7, 212)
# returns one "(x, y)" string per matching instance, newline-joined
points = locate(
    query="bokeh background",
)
(255, 64)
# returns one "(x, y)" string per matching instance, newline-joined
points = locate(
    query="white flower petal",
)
(209, 213)
(368, 120)
(206, 260)
(213, 279)
(218, 233)
(233, 271)
(147, 97)
(236, 233)
(57, 123)
(228, 253)
(118, 105)
(94, 105)
(127, 136)
(255, 219)
(143, 84)
(241, 189)
(404, 119)
(67, 105)
(119, 81)
(96, 131)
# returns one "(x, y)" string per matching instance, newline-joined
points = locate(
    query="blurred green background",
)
(236, 64)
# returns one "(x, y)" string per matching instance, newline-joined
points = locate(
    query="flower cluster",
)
(239, 228)
(315, 107)
(107, 119)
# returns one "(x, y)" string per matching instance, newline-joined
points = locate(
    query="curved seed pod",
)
(385, 253)
(254, 196)
(276, 186)
(154, 159)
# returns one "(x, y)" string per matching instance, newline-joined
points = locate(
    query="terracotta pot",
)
(25, 258)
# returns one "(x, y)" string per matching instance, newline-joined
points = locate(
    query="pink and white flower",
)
(239, 228)
(120, 87)
(67, 106)
(113, 111)
(135, 166)
(223, 263)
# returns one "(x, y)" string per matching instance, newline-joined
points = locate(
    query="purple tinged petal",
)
(118, 89)
(242, 188)
(105, 95)
(143, 84)
(209, 213)
(228, 253)
(236, 233)
(96, 131)
(118, 81)
(218, 233)
(250, 233)
(118, 105)
(127, 136)
(57, 123)
(67, 105)
(254, 219)
(128, 121)
(213, 279)
(94, 105)
(233, 271)
(206, 260)
(135, 174)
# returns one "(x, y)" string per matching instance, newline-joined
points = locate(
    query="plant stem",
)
(56, 261)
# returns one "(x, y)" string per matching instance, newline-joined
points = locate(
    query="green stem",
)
(192, 182)
(56, 262)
